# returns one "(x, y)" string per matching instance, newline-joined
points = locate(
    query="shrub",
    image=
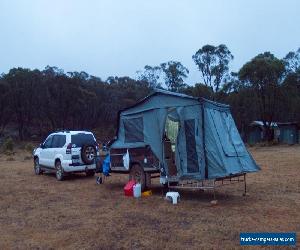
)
(26, 158)
(8, 144)
(29, 147)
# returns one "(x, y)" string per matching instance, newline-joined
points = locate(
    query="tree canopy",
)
(175, 73)
(35, 102)
(212, 62)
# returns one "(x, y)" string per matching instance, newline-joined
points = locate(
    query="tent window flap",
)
(228, 135)
(134, 130)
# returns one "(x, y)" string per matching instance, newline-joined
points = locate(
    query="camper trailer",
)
(180, 139)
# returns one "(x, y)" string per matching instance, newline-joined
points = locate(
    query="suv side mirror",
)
(42, 145)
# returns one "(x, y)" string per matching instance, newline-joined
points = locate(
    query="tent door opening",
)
(170, 144)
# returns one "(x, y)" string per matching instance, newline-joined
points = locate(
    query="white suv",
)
(66, 152)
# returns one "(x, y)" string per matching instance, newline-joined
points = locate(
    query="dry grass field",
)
(38, 212)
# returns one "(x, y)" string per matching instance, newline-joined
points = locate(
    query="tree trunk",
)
(20, 129)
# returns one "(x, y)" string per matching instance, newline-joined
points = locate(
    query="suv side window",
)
(48, 142)
(58, 141)
(62, 141)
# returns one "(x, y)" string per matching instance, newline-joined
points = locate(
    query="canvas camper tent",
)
(207, 143)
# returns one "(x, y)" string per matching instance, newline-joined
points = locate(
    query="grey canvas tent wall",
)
(208, 143)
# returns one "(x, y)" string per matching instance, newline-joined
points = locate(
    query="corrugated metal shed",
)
(255, 135)
(289, 132)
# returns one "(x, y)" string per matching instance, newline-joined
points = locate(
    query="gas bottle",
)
(137, 190)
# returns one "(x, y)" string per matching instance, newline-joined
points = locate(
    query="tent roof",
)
(166, 92)
(156, 91)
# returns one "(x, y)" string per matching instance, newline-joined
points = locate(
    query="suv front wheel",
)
(59, 171)
(37, 168)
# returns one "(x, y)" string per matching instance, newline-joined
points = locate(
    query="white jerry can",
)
(137, 190)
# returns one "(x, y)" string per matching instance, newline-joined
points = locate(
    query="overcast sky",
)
(118, 37)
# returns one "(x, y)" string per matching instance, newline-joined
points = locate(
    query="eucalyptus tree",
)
(264, 75)
(174, 75)
(213, 64)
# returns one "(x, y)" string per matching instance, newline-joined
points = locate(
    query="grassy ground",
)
(39, 212)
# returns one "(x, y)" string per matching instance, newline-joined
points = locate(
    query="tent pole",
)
(214, 191)
(245, 185)
(204, 147)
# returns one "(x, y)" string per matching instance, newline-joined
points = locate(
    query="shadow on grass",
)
(70, 177)
(186, 194)
(117, 184)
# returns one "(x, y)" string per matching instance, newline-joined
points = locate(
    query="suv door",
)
(46, 151)
(57, 144)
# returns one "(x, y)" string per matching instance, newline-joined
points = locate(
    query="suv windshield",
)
(80, 139)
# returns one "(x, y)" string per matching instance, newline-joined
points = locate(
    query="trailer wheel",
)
(137, 174)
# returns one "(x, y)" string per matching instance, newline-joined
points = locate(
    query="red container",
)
(128, 189)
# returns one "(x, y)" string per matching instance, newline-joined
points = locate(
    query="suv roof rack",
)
(64, 131)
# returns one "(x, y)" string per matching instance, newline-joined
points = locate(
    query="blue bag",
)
(106, 165)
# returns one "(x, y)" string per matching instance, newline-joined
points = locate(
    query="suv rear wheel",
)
(37, 168)
(59, 171)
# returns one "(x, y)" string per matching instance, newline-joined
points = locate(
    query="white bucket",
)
(137, 190)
